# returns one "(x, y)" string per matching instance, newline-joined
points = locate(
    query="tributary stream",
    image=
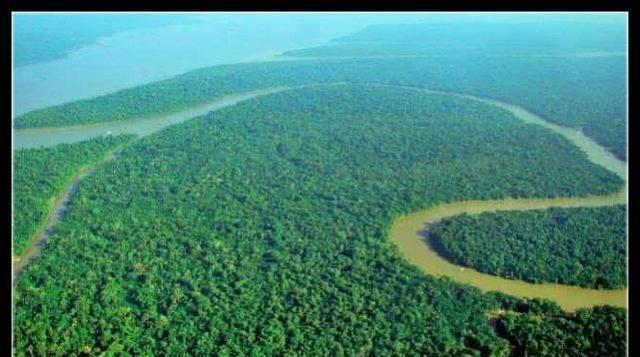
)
(409, 232)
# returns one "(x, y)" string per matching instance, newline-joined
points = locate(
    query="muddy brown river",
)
(407, 232)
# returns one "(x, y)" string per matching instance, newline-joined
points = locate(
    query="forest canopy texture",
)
(40, 176)
(261, 229)
(579, 92)
(583, 246)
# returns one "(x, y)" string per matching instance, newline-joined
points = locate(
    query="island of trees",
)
(579, 92)
(261, 229)
(583, 246)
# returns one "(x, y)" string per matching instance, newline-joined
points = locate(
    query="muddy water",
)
(409, 232)
(59, 209)
(51, 136)
(44, 137)
(595, 152)
(39, 137)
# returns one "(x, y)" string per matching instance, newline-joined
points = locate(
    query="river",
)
(408, 232)
(59, 206)
(139, 56)
(43, 137)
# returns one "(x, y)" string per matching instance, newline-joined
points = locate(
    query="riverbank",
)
(408, 232)
(58, 207)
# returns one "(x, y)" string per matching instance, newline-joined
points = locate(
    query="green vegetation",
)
(574, 91)
(579, 89)
(600, 331)
(261, 229)
(578, 246)
(558, 36)
(39, 175)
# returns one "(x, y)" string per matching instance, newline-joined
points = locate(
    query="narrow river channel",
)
(59, 208)
(43, 137)
(408, 232)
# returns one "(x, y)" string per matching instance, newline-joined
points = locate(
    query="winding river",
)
(408, 232)
(43, 137)
(59, 208)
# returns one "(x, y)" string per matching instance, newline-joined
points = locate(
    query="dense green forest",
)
(573, 91)
(546, 85)
(261, 229)
(583, 246)
(546, 331)
(550, 37)
(39, 175)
